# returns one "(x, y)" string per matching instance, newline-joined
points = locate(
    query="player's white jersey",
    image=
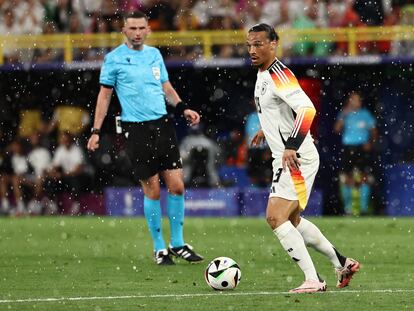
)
(279, 99)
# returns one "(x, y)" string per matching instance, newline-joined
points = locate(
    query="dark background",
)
(222, 96)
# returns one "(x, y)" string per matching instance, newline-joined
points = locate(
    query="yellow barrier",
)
(206, 39)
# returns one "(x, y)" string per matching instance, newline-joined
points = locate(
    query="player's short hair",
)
(269, 30)
(135, 14)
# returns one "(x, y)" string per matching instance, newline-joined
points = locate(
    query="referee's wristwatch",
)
(95, 131)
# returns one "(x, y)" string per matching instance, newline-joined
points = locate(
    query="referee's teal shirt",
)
(357, 127)
(137, 77)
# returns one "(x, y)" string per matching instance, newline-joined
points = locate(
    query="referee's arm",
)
(102, 104)
(174, 99)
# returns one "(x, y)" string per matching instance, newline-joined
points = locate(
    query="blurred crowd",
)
(45, 160)
(105, 16)
(46, 157)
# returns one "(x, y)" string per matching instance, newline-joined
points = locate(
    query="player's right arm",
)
(102, 105)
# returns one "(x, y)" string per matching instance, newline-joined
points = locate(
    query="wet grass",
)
(67, 258)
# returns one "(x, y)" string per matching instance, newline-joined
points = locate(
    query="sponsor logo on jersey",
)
(293, 93)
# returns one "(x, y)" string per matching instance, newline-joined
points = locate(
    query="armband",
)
(180, 107)
(95, 131)
(293, 144)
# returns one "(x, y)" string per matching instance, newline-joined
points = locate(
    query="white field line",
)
(215, 294)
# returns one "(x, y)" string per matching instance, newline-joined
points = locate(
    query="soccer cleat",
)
(186, 252)
(163, 258)
(310, 286)
(345, 273)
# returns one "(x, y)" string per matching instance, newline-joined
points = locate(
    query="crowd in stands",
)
(44, 160)
(105, 16)
(48, 158)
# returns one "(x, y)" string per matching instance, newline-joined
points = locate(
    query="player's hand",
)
(290, 159)
(93, 142)
(191, 116)
(258, 138)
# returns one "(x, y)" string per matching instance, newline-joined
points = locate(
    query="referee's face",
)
(261, 49)
(136, 31)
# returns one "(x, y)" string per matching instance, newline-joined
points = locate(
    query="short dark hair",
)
(269, 30)
(135, 14)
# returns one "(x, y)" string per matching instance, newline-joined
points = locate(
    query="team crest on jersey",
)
(156, 72)
(263, 88)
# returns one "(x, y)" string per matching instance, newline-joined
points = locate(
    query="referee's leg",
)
(174, 181)
(175, 208)
(175, 204)
(151, 187)
(152, 210)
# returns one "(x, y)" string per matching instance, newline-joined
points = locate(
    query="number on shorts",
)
(277, 175)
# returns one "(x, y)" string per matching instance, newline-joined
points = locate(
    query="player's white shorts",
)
(295, 185)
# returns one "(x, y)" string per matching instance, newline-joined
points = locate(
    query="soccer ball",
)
(223, 273)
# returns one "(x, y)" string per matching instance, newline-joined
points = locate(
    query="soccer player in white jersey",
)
(286, 114)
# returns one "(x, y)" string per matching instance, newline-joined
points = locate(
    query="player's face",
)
(261, 49)
(136, 31)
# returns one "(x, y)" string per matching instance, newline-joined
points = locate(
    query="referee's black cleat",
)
(185, 252)
(163, 258)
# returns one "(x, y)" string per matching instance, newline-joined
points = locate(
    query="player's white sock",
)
(293, 243)
(315, 239)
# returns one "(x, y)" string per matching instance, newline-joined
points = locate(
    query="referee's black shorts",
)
(151, 147)
(355, 157)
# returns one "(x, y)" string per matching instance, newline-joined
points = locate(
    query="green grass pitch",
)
(91, 263)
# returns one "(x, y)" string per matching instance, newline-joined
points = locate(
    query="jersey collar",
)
(272, 63)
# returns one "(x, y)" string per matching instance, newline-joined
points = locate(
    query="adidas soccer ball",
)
(223, 273)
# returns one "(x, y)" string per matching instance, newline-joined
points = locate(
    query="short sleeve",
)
(108, 72)
(287, 87)
(164, 72)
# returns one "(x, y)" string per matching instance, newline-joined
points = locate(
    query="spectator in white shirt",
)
(68, 158)
(12, 177)
(67, 169)
(10, 27)
(39, 159)
(30, 15)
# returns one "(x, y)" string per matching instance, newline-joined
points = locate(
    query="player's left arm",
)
(288, 89)
(174, 99)
(303, 122)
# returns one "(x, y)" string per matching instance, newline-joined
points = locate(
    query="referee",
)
(137, 73)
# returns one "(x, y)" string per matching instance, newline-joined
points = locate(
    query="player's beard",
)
(257, 66)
